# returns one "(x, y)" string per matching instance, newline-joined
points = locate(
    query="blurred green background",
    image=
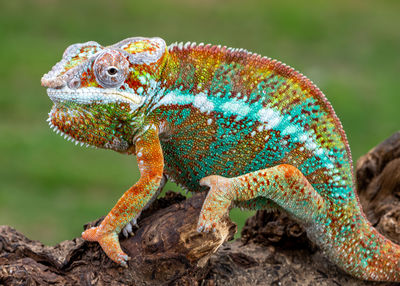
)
(49, 187)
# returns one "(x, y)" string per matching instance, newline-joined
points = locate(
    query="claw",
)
(122, 260)
(206, 227)
(127, 230)
(133, 222)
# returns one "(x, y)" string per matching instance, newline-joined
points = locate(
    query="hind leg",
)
(258, 203)
(284, 185)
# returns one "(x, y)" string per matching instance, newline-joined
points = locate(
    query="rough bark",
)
(167, 250)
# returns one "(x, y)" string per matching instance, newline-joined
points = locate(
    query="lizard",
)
(254, 132)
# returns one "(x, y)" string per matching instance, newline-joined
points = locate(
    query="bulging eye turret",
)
(111, 68)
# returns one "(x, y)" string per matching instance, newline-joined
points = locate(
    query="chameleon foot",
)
(216, 204)
(108, 242)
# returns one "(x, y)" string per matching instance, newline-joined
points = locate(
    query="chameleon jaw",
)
(91, 95)
(76, 111)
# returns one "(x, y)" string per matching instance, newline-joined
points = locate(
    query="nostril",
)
(74, 83)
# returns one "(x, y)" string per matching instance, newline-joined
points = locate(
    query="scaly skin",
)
(252, 129)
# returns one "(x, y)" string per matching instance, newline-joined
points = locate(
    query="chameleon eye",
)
(112, 71)
(111, 68)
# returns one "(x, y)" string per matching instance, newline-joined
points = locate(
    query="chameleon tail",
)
(350, 241)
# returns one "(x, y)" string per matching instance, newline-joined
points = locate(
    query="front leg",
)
(151, 163)
(128, 229)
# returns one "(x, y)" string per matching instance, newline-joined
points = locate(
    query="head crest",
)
(143, 50)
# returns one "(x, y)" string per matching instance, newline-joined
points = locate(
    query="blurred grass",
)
(49, 187)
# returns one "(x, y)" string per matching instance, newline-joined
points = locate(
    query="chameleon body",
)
(256, 132)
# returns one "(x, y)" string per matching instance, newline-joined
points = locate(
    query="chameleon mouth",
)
(92, 95)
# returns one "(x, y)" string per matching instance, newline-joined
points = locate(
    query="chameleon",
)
(251, 130)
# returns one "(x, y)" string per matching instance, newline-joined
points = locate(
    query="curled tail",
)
(350, 241)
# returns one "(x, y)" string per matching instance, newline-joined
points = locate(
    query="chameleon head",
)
(98, 92)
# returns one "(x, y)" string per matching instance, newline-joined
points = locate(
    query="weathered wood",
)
(378, 178)
(167, 249)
